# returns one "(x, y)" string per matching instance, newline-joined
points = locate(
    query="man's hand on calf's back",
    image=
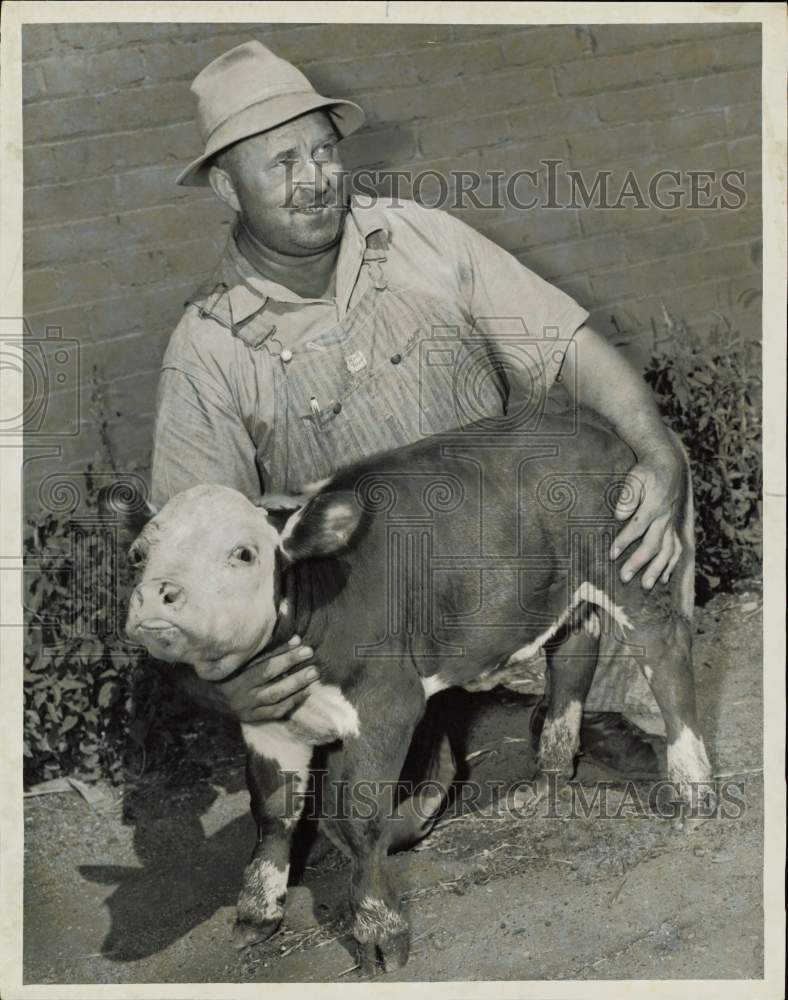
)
(650, 505)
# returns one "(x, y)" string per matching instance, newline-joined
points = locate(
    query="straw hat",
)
(249, 90)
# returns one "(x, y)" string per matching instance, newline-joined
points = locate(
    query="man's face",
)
(288, 185)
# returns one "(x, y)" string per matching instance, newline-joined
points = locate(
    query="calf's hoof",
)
(526, 801)
(691, 818)
(248, 932)
(685, 825)
(379, 929)
(393, 953)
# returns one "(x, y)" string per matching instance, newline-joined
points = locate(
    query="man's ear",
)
(223, 187)
(325, 526)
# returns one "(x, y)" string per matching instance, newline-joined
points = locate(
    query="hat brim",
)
(346, 116)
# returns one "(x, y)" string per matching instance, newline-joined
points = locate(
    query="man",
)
(300, 353)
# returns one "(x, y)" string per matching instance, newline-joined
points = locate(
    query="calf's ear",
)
(128, 507)
(324, 526)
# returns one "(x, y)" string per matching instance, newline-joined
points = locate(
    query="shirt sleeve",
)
(199, 438)
(528, 322)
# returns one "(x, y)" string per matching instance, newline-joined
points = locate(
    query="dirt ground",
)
(141, 886)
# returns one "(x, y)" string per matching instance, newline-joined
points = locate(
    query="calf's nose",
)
(160, 592)
(170, 594)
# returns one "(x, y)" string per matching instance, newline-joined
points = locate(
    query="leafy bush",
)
(94, 705)
(709, 390)
(78, 676)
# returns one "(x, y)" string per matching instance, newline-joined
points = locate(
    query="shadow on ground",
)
(186, 876)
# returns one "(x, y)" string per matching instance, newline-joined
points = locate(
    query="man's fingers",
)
(263, 669)
(280, 663)
(630, 496)
(261, 691)
(678, 548)
(645, 552)
(267, 713)
(660, 561)
(636, 527)
(272, 694)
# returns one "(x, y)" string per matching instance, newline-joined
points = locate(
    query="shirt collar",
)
(248, 291)
(369, 218)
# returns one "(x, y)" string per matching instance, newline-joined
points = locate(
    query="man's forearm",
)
(599, 377)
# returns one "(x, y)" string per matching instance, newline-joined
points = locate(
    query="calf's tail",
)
(684, 573)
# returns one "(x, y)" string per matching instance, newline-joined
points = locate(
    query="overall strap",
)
(375, 253)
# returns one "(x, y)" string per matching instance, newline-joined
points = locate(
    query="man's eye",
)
(244, 554)
(325, 151)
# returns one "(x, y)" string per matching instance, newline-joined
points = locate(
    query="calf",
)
(411, 572)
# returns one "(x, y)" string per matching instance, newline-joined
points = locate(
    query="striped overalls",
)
(394, 370)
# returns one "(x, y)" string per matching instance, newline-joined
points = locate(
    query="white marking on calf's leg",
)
(264, 886)
(264, 890)
(376, 921)
(690, 771)
(560, 740)
(326, 715)
(687, 760)
(276, 743)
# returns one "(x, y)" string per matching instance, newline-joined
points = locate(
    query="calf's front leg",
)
(359, 810)
(277, 768)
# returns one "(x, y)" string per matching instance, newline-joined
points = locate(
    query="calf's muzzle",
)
(158, 594)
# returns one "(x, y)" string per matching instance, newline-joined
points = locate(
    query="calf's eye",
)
(244, 554)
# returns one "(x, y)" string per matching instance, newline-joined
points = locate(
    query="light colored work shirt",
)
(218, 411)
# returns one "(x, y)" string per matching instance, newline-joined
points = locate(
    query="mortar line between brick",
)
(189, 200)
(129, 293)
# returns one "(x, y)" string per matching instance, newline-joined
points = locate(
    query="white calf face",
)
(206, 592)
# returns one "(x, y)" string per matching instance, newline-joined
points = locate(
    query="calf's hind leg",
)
(571, 660)
(667, 665)
(277, 767)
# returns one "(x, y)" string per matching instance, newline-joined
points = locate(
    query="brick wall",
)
(112, 247)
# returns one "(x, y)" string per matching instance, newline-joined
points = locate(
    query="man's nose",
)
(309, 180)
(163, 593)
